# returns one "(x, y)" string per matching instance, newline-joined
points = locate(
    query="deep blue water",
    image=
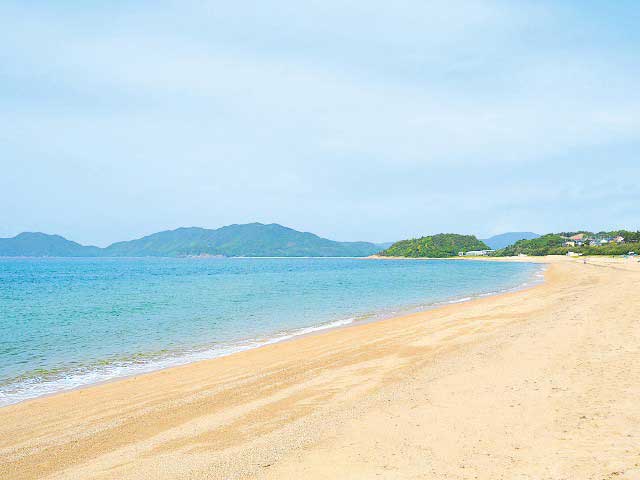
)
(71, 322)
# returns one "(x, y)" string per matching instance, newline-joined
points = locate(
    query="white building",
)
(476, 253)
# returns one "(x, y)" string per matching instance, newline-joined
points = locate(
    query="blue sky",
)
(355, 120)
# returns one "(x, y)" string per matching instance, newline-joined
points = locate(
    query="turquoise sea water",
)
(65, 323)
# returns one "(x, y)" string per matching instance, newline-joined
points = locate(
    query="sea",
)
(67, 323)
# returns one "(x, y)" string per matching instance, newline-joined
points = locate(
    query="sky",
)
(356, 120)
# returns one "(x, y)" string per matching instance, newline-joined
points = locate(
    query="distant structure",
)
(597, 240)
(475, 253)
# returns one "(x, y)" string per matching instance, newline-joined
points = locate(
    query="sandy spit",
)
(538, 384)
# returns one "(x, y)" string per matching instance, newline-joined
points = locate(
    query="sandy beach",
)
(542, 383)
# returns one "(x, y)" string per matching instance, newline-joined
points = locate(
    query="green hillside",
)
(535, 246)
(250, 240)
(436, 246)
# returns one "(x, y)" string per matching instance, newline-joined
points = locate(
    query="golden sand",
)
(538, 384)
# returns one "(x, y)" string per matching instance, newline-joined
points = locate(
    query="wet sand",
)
(542, 383)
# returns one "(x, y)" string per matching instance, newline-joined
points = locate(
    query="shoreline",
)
(482, 258)
(233, 348)
(538, 383)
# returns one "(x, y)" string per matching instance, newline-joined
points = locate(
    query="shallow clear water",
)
(71, 322)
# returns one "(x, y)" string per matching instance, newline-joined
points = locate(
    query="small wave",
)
(488, 294)
(460, 300)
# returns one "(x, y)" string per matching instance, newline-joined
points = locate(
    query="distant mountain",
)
(249, 240)
(36, 244)
(505, 239)
(435, 246)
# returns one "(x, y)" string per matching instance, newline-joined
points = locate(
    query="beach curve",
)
(537, 383)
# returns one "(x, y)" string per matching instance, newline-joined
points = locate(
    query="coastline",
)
(356, 397)
(115, 370)
(481, 258)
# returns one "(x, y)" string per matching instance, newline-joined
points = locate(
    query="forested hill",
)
(441, 245)
(248, 240)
